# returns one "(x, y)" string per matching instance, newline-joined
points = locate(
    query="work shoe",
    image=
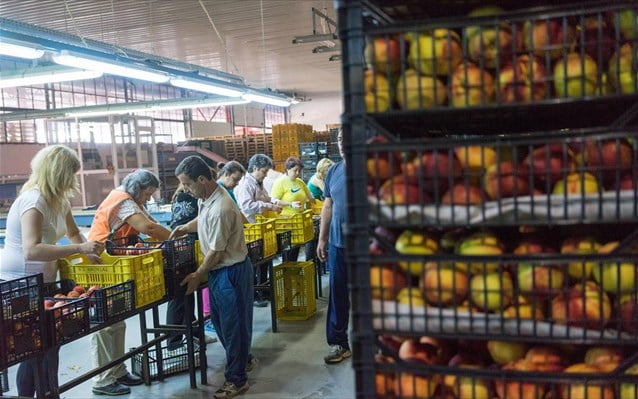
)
(114, 389)
(230, 390)
(252, 363)
(207, 339)
(130, 380)
(337, 354)
(260, 303)
(209, 328)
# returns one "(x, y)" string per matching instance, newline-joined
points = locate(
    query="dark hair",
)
(193, 167)
(139, 180)
(259, 161)
(291, 162)
(230, 168)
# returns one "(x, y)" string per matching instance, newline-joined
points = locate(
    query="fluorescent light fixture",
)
(265, 99)
(150, 106)
(42, 75)
(109, 67)
(20, 51)
(314, 38)
(206, 87)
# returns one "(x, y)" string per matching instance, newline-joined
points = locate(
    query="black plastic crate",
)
(308, 150)
(178, 254)
(310, 165)
(255, 250)
(284, 241)
(113, 301)
(21, 325)
(66, 322)
(174, 362)
(4, 381)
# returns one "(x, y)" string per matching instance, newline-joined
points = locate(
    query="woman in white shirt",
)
(38, 218)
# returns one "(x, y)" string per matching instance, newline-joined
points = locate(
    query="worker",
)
(316, 183)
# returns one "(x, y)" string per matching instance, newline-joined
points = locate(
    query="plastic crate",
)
(255, 250)
(174, 362)
(284, 241)
(295, 290)
(4, 381)
(178, 255)
(68, 321)
(317, 207)
(146, 270)
(300, 225)
(265, 231)
(21, 325)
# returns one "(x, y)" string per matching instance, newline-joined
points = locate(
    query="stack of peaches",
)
(507, 63)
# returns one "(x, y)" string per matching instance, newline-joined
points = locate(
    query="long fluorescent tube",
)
(264, 99)
(16, 50)
(42, 75)
(205, 87)
(109, 67)
(124, 108)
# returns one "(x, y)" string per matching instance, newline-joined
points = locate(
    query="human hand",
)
(276, 208)
(92, 248)
(94, 259)
(296, 204)
(322, 252)
(191, 282)
(178, 232)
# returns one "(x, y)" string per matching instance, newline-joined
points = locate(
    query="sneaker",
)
(114, 389)
(207, 339)
(337, 354)
(230, 390)
(252, 363)
(209, 328)
(130, 380)
(260, 303)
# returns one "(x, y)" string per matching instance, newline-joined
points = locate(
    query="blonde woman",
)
(316, 183)
(38, 218)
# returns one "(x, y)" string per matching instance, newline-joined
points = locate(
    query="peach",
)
(463, 194)
(476, 158)
(435, 53)
(584, 305)
(493, 45)
(580, 246)
(606, 358)
(547, 37)
(616, 278)
(598, 36)
(377, 92)
(415, 91)
(415, 243)
(609, 156)
(471, 86)
(505, 180)
(386, 281)
(506, 389)
(627, 22)
(629, 390)
(444, 284)
(384, 381)
(411, 297)
(383, 54)
(539, 280)
(549, 163)
(527, 247)
(577, 184)
(491, 291)
(582, 391)
(524, 311)
(522, 81)
(416, 386)
(627, 182)
(482, 243)
(471, 387)
(423, 350)
(545, 359)
(622, 75)
(628, 313)
(503, 352)
(396, 191)
(576, 76)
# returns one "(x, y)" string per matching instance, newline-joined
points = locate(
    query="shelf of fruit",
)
(504, 72)
(492, 118)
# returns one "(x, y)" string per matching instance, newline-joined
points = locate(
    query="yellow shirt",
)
(289, 191)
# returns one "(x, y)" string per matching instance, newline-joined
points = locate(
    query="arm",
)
(324, 228)
(35, 250)
(143, 224)
(72, 230)
(193, 280)
(249, 206)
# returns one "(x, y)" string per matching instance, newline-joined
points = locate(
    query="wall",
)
(320, 111)
(15, 158)
(206, 129)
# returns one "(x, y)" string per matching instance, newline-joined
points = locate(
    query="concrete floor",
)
(291, 363)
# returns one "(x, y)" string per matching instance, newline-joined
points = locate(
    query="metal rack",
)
(404, 149)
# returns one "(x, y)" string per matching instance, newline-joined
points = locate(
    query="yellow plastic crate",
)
(317, 207)
(295, 290)
(264, 230)
(300, 225)
(146, 270)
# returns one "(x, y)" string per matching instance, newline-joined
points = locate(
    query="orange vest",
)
(100, 229)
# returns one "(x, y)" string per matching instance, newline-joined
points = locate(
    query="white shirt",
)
(270, 178)
(13, 264)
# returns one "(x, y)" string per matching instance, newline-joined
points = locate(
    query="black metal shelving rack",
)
(567, 123)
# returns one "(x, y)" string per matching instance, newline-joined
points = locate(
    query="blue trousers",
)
(25, 377)
(231, 312)
(339, 300)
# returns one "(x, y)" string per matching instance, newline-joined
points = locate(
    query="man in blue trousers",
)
(330, 247)
(220, 226)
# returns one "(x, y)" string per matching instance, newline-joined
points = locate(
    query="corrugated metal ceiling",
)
(180, 29)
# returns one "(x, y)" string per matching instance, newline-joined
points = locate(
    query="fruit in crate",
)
(73, 294)
(577, 184)
(584, 305)
(527, 247)
(627, 182)
(627, 22)
(549, 36)
(629, 390)
(377, 92)
(549, 163)
(476, 158)
(435, 53)
(463, 194)
(48, 303)
(471, 387)
(576, 390)
(444, 284)
(628, 313)
(503, 352)
(609, 156)
(545, 359)
(386, 281)
(614, 277)
(524, 311)
(383, 54)
(506, 389)
(437, 168)
(598, 38)
(471, 86)
(606, 358)
(489, 43)
(522, 81)
(580, 246)
(415, 243)
(505, 180)
(382, 165)
(491, 291)
(411, 297)
(539, 279)
(384, 381)
(398, 191)
(416, 386)
(416, 91)
(484, 244)
(576, 76)
(425, 350)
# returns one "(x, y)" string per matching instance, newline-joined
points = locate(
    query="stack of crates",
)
(147, 270)
(264, 230)
(286, 138)
(295, 290)
(235, 148)
(259, 144)
(310, 153)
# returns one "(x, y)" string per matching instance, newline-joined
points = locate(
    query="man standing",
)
(331, 246)
(221, 236)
